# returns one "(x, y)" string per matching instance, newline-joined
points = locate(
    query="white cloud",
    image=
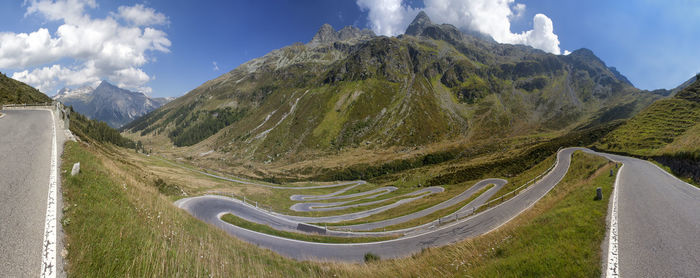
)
(71, 11)
(96, 48)
(388, 17)
(47, 78)
(518, 10)
(140, 15)
(491, 17)
(541, 36)
(216, 66)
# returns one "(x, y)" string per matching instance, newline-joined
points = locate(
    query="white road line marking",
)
(613, 269)
(48, 260)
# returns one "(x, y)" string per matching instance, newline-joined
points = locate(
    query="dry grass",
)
(689, 141)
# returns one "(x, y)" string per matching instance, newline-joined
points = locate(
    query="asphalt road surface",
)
(310, 206)
(658, 220)
(25, 153)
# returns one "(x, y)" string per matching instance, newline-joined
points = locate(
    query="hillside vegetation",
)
(97, 131)
(13, 91)
(428, 89)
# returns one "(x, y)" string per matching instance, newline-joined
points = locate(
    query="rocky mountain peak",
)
(106, 84)
(73, 93)
(418, 24)
(423, 26)
(326, 34)
(352, 32)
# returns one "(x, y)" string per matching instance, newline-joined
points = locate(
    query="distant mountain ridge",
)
(109, 103)
(360, 91)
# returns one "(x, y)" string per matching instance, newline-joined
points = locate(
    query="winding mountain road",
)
(658, 219)
(210, 211)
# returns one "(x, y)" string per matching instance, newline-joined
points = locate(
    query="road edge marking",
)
(612, 267)
(48, 260)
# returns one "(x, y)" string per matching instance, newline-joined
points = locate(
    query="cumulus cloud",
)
(99, 48)
(71, 11)
(140, 15)
(216, 66)
(518, 10)
(491, 17)
(388, 17)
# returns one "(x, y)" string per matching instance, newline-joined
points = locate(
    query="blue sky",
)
(654, 43)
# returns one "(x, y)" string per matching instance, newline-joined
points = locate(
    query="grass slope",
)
(654, 128)
(118, 223)
(13, 91)
(240, 222)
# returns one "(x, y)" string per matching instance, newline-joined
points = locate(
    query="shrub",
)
(371, 257)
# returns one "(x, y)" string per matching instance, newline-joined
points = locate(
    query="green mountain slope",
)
(665, 127)
(13, 91)
(356, 91)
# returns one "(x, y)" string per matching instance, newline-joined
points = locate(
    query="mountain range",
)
(108, 103)
(350, 90)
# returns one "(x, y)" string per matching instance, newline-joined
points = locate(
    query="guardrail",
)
(243, 199)
(28, 104)
(450, 218)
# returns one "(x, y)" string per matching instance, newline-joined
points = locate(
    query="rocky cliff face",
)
(351, 89)
(109, 103)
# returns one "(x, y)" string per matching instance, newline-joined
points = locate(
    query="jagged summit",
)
(418, 24)
(422, 26)
(106, 85)
(326, 34)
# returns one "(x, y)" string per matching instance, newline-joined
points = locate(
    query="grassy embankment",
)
(118, 223)
(240, 222)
